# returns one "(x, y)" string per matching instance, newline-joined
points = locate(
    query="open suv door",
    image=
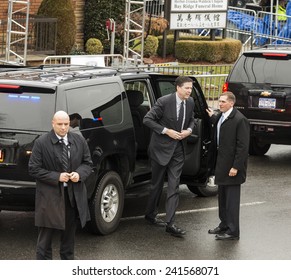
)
(196, 170)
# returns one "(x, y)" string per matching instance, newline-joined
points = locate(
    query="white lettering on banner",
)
(197, 20)
(198, 5)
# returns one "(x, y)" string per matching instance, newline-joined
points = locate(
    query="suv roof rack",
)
(58, 73)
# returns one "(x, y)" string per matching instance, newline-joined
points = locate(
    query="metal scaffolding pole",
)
(17, 32)
(134, 32)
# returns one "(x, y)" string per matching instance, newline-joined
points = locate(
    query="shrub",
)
(150, 46)
(214, 51)
(66, 29)
(232, 51)
(195, 48)
(187, 51)
(95, 14)
(169, 46)
(94, 46)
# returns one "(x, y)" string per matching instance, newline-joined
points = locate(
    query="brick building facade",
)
(34, 5)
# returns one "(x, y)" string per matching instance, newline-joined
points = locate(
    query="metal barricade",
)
(210, 77)
(240, 26)
(269, 29)
(258, 28)
(106, 60)
(155, 7)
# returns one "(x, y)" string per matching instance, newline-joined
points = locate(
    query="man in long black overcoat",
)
(231, 140)
(61, 196)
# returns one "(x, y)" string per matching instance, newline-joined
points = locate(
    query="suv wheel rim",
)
(211, 183)
(109, 203)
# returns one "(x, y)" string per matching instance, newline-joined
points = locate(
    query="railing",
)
(258, 28)
(112, 60)
(155, 7)
(42, 34)
(210, 77)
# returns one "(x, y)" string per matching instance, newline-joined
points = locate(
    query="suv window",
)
(262, 68)
(91, 103)
(166, 87)
(37, 107)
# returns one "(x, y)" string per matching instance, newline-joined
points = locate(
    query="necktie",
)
(218, 128)
(65, 156)
(181, 116)
(66, 168)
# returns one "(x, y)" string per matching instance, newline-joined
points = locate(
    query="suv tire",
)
(210, 189)
(258, 148)
(106, 206)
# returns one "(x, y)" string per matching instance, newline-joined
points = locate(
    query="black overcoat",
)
(233, 148)
(45, 165)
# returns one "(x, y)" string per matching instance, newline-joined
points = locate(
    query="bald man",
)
(61, 196)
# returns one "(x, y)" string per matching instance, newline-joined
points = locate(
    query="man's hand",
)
(174, 134)
(232, 172)
(178, 135)
(209, 112)
(74, 177)
(185, 133)
(64, 177)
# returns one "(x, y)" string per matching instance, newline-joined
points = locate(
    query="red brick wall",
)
(34, 5)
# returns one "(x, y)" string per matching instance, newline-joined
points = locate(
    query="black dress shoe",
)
(216, 230)
(155, 221)
(225, 236)
(175, 231)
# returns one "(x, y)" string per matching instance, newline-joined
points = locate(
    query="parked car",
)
(260, 80)
(112, 105)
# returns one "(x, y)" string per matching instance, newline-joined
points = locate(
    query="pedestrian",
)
(231, 140)
(171, 120)
(60, 162)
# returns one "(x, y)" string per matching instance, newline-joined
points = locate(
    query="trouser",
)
(67, 238)
(229, 207)
(173, 170)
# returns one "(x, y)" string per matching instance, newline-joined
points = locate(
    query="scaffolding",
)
(17, 32)
(134, 32)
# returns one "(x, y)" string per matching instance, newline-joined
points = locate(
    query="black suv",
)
(260, 79)
(112, 105)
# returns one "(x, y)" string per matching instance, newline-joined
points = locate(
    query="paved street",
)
(265, 224)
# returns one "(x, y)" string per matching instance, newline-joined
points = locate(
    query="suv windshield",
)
(26, 111)
(260, 69)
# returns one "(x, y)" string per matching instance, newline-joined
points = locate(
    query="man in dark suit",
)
(171, 120)
(61, 196)
(231, 140)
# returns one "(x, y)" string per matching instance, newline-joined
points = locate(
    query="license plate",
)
(1, 155)
(269, 103)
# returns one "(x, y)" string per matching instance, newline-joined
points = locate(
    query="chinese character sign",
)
(197, 20)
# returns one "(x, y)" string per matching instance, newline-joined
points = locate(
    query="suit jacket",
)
(233, 148)
(45, 165)
(164, 114)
